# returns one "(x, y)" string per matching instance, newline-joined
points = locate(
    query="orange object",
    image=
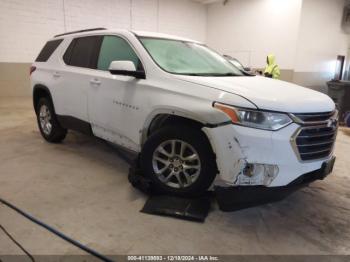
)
(228, 110)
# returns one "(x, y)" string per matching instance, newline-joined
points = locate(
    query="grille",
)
(315, 141)
(314, 117)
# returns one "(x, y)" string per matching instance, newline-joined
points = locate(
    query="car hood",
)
(269, 94)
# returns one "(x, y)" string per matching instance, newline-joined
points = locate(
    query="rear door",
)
(71, 96)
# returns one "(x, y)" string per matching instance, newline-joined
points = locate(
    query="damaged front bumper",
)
(254, 157)
(239, 197)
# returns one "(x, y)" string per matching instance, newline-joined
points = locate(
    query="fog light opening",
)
(258, 174)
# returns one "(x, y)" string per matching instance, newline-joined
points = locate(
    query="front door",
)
(112, 106)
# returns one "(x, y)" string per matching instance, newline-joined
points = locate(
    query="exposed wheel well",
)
(40, 91)
(162, 120)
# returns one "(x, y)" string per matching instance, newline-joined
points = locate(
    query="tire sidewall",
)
(55, 125)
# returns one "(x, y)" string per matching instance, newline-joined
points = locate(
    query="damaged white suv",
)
(193, 118)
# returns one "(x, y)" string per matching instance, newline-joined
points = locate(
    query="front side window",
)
(188, 58)
(114, 48)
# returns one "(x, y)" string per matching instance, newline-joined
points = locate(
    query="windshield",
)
(188, 58)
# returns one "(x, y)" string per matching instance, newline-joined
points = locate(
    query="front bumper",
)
(239, 197)
(236, 146)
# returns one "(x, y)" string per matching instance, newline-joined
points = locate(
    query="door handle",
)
(56, 74)
(95, 81)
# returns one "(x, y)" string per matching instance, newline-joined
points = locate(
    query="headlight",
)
(254, 118)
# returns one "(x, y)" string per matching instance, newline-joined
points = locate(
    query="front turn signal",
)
(229, 111)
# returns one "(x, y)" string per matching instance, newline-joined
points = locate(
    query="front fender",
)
(204, 114)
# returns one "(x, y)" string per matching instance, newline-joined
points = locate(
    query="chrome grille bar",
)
(315, 152)
(318, 144)
(317, 135)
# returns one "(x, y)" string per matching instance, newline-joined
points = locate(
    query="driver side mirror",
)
(125, 68)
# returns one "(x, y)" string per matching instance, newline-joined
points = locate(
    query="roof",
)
(123, 31)
(161, 35)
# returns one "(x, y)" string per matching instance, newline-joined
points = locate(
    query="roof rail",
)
(81, 31)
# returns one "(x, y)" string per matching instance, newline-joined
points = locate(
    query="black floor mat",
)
(193, 209)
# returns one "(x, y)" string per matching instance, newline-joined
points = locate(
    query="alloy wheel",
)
(176, 163)
(45, 120)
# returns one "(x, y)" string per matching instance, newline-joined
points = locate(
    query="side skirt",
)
(70, 122)
(73, 123)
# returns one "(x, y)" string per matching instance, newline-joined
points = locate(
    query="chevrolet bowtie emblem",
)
(332, 123)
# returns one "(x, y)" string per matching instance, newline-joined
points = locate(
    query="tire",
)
(175, 173)
(49, 127)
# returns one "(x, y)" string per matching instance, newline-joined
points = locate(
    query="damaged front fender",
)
(236, 149)
(230, 158)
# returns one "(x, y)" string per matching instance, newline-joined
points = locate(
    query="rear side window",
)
(114, 48)
(83, 52)
(47, 50)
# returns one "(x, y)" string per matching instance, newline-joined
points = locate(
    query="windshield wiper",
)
(227, 74)
(194, 74)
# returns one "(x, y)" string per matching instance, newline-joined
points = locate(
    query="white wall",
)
(305, 35)
(185, 18)
(320, 37)
(251, 29)
(25, 25)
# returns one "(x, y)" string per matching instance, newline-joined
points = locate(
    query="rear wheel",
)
(49, 126)
(179, 161)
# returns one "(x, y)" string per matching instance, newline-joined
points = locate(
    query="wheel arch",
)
(162, 117)
(40, 91)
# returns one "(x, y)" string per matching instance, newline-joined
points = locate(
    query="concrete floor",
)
(81, 188)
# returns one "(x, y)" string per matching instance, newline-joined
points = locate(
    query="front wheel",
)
(179, 161)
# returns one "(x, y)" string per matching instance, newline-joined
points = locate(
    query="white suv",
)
(194, 119)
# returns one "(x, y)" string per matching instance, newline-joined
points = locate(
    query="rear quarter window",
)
(48, 50)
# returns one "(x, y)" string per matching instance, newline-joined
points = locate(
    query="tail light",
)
(32, 69)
